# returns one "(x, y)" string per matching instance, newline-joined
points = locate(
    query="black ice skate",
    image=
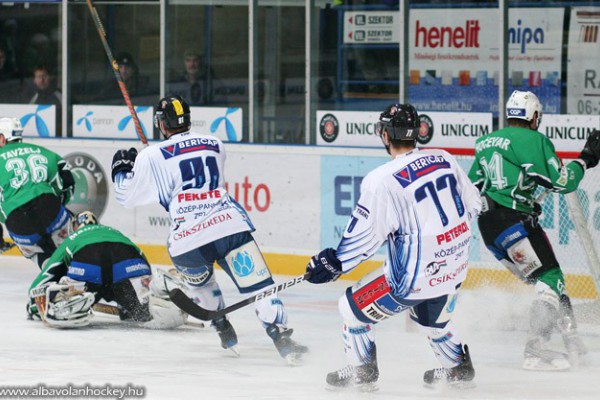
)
(287, 348)
(227, 334)
(459, 377)
(363, 377)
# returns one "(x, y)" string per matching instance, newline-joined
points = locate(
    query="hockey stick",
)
(182, 301)
(115, 68)
(114, 310)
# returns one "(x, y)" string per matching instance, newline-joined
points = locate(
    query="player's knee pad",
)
(544, 311)
(209, 295)
(270, 310)
(247, 268)
(525, 259)
(445, 343)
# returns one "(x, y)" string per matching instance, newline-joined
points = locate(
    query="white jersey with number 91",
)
(185, 175)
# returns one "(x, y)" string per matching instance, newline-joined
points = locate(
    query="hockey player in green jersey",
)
(35, 185)
(98, 262)
(509, 165)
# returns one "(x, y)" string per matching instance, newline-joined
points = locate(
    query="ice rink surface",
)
(188, 363)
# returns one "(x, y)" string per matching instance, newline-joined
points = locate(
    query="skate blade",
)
(234, 350)
(364, 388)
(538, 364)
(294, 359)
(463, 385)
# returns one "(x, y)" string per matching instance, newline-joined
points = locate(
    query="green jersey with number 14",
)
(510, 163)
(26, 172)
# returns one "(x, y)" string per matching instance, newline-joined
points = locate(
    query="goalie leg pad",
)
(165, 315)
(165, 280)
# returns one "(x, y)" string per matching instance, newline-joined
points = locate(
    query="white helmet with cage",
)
(11, 128)
(524, 105)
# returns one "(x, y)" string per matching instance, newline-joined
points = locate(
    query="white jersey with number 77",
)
(421, 203)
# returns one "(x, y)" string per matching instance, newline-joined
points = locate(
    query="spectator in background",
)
(45, 92)
(195, 84)
(44, 87)
(130, 73)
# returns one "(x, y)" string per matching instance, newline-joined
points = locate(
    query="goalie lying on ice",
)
(98, 262)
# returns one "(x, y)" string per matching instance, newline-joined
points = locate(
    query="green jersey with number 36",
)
(510, 163)
(26, 172)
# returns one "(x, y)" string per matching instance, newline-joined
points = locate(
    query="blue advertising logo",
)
(86, 120)
(125, 121)
(229, 128)
(40, 125)
(525, 35)
(243, 265)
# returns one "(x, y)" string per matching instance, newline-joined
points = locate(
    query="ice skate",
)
(538, 358)
(288, 349)
(227, 334)
(573, 343)
(459, 377)
(363, 377)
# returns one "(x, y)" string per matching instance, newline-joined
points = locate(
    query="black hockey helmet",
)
(174, 111)
(401, 122)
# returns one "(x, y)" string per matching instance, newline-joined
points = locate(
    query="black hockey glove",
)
(591, 151)
(123, 161)
(324, 267)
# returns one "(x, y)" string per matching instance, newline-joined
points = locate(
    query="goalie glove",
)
(68, 307)
(591, 151)
(123, 161)
(324, 267)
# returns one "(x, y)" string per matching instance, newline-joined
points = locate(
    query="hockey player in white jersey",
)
(184, 174)
(421, 203)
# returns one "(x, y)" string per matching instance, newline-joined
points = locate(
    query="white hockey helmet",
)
(84, 218)
(11, 128)
(523, 105)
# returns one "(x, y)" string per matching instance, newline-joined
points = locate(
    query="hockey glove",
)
(324, 267)
(123, 161)
(591, 151)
